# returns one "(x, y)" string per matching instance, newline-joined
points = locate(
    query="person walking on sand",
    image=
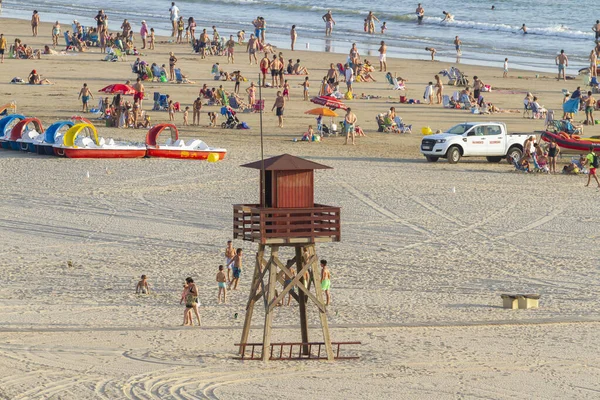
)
(144, 34)
(221, 283)
(325, 281)
(505, 73)
(84, 95)
(420, 11)
(35, 22)
(174, 17)
(229, 256)
(280, 106)
(329, 23)
(55, 34)
(293, 36)
(563, 62)
(2, 47)
(349, 122)
(591, 160)
(236, 269)
(190, 296)
(382, 57)
(230, 46)
(457, 44)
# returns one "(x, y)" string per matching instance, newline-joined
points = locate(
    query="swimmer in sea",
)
(457, 44)
(447, 17)
(524, 29)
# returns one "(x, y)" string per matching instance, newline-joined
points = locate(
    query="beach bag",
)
(190, 300)
(595, 163)
(348, 95)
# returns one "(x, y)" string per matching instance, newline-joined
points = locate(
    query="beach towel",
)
(571, 106)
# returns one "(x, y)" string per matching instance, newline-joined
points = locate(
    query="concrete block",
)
(527, 301)
(509, 301)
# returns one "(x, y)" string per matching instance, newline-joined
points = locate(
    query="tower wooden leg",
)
(266, 354)
(316, 276)
(251, 300)
(302, 301)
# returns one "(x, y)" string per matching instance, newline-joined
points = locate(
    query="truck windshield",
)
(459, 129)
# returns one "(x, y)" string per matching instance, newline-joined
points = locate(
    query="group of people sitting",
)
(123, 114)
(390, 122)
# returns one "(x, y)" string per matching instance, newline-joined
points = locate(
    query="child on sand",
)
(286, 90)
(171, 111)
(221, 278)
(236, 269)
(185, 116)
(325, 281)
(142, 286)
(305, 85)
(229, 255)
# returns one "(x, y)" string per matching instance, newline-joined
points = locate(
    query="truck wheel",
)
(494, 159)
(432, 158)
(453, 155)
(515, 153)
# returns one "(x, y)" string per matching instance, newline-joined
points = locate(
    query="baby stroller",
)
(232, 121)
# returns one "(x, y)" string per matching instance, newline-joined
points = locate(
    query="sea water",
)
(488, 35)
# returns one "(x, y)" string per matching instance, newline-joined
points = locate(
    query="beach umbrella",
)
(329, 102)
(118, 88)
(325, 112)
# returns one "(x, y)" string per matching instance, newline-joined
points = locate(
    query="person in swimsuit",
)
(251, 90)
(274, 65)
(236, 269)
(562, 61)
(349, 122)
(229, 255)
(55, 34)
(280, 106)
(420, 11)
(591, 160)
(196, 107)
(221, 278)
(251, 48)
(84, 95)
(553, 152)
(293, 36)
(264, 68)
(382, 57)
(457, 44)
(172, 62)
(142, 286)
(230, 46)
(329, 23)
(325, 281)
(596, 29)
(439, 89)
(305, 85)
(190, 296)
(35, 22)
(589, 104)
(524, 29)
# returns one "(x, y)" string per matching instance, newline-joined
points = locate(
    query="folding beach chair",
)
(258, 106)
(446, 101)
(178, 77)
(526, 108)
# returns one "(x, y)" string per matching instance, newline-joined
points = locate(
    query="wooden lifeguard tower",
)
(286, 216)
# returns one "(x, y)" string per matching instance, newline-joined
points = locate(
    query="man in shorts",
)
(382, 57)
(275, 66)
(596, 29)
(562, 61)
(279, 105)
(196, 111)
(230, 45)
(591, 160)
(251, 48)
(589, 104)
(84, 95)
(329, 23)
(420, 11)
(457, 44)
(264, 69)
(349, 122)
(2, 46)
(139, 91)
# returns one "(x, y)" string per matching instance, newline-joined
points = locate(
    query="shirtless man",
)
(84, 95)
(204, 42)
(174, 16)
(2, 46)
(230, 46)
(126, 27)
(275, 67)
(349, 122)
(593, 63)
(596, 29)
(420, 11)
(100, 22)
(589, 104)
(139, 91)
(35, 21)
(329, 23)
(562, 61)
(332, 74)
(197, 107)
(264, 68)
(251, 48)
(524, 29)
(457, 44)
(382, 57)
(280, 105)
(447, 16)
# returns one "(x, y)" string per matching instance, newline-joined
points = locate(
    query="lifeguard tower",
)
(287, 216)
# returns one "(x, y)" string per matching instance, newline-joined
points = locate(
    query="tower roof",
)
(286, 162)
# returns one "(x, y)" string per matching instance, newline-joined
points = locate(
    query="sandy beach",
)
(426, 250)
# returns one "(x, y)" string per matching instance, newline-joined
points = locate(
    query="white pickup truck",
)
(473, 139)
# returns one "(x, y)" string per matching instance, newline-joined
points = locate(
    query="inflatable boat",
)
(173, 147)
(571, 142)
(90, 146)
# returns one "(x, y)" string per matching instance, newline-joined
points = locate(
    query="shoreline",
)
(341, 45)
